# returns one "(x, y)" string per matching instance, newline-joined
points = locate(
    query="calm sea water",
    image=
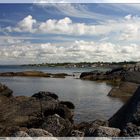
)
(89, 97)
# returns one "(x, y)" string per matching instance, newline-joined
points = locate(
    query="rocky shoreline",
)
(44, 115)
(125, 81)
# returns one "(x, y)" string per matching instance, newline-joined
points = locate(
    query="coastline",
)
(94, 128)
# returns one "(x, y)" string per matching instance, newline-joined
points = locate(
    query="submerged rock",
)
(59, 75)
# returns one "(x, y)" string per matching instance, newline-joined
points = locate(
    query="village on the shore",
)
(87, 64)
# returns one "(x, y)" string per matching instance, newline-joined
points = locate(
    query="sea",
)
(89, 97)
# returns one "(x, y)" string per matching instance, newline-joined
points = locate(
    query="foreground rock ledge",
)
(42, 110)
(43, 115)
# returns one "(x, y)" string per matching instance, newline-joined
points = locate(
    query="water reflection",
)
(89, 97)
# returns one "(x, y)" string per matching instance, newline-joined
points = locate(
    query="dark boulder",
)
(131, 130)
(90, 74)
(132, 76)
(130, 112)
(44, 94)
(70, 105)
(5, 91)
(62, 110)
(119, 69)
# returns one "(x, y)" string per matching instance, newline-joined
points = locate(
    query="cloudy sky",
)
(64, 32)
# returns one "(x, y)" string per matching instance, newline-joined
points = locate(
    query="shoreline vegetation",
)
(83, 64)
(43, 114)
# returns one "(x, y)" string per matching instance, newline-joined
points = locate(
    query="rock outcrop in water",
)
(126, 79)
(127, 119)
(115, 75)
(43, 115)
(33, 74)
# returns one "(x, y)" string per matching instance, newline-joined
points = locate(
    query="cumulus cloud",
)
(76, 51)
(127, 28)
(25, 25)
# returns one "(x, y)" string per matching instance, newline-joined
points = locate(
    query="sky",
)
(69, 32)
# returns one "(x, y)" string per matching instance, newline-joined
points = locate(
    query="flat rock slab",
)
(123, 90)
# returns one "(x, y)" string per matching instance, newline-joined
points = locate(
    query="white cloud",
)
(25, 25)
(74, 52)
(128, 28)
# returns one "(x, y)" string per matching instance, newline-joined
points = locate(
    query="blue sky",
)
(65, 32)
